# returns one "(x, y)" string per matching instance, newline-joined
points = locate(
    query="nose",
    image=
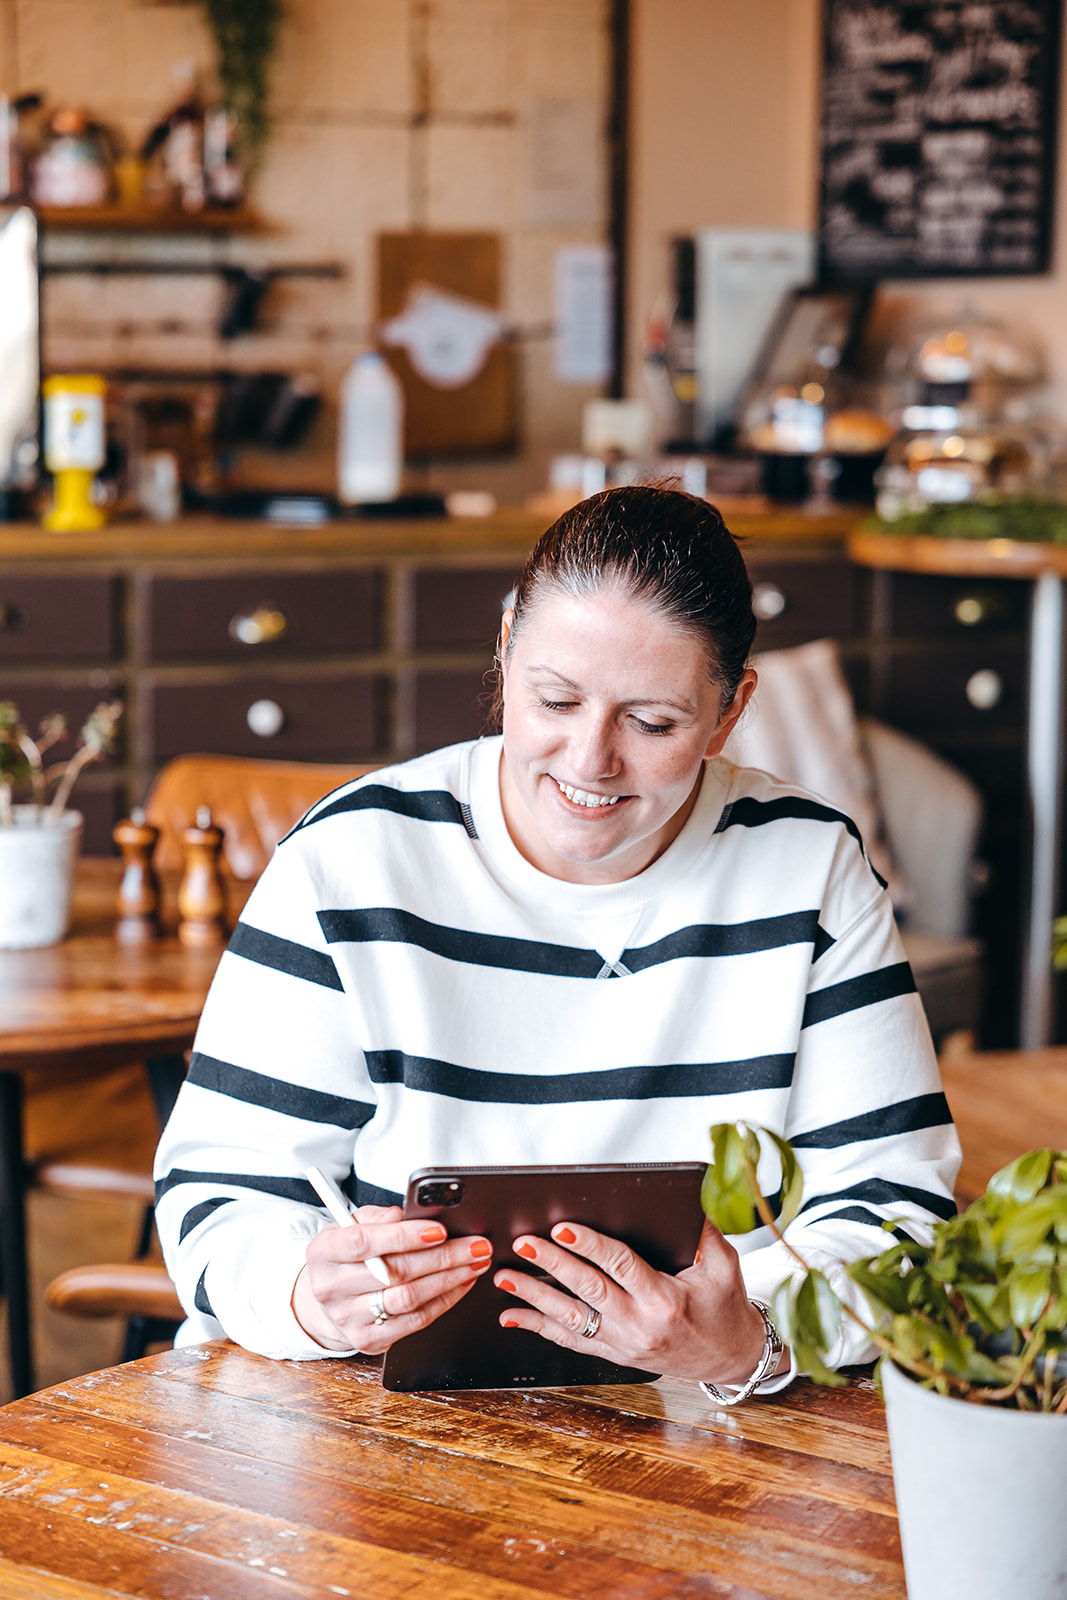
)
(593, 751)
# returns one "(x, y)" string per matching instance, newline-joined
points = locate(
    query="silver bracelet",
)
(765, 1366)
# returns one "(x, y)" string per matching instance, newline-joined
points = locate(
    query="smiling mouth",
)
(581, 797)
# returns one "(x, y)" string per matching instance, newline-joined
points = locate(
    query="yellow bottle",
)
(74, 447)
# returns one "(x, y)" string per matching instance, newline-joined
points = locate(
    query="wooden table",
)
(213, 1472)
(1045, 567)
(101, 1004)
(1004, 1102)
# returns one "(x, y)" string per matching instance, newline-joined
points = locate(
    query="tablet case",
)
(654, 1207)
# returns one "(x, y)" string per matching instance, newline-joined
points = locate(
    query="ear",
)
(732, 715)
(502, 643)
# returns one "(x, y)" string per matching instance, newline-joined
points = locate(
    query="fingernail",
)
(482, 1266)
(481, 1247)
(526, 1250)
(564, 1235)
(505, 1284)
(511, 1324)
(433, 1234)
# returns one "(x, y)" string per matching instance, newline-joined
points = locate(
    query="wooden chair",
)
(92, 1136)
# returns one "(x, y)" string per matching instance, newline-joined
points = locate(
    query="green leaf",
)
(818, 1311)
(809, 1361)
(792, 1180)
(726, 1193)
(1029, 1286)
(1022, 1179)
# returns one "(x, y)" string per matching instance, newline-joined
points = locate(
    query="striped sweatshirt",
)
(404, 989)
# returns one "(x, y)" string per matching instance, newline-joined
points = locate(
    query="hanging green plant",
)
(246, 32)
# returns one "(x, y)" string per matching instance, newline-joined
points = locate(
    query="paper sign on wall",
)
(583, 306)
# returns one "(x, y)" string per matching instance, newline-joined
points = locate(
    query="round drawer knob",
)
(265, 718)
(984, 689)
(261, 626)
(12, 617)
(768, 601)
(971, 609)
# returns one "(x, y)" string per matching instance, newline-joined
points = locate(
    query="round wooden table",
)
(1044, 566)
(98, 1003)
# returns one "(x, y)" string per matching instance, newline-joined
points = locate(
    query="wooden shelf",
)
(117, 218)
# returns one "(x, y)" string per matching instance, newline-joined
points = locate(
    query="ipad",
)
(654, 1207)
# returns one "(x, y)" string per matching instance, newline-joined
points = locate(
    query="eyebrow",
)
(652, 700)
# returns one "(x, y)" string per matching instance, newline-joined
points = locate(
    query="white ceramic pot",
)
(37, 878)
(980, 1495)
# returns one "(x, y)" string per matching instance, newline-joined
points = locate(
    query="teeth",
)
(580, 797)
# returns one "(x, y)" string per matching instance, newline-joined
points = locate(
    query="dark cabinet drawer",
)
(328, 718)
(956, 691)
(275, 613)
(459, 609)
(802, 600)
(60, 618)
(926, 603)
(450, 706)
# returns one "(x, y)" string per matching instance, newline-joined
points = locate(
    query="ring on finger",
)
(592, 1323)
(377, 1305)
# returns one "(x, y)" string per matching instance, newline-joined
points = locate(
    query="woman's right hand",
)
(334, 1298)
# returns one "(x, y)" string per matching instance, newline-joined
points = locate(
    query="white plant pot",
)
(37, 878)
(980, 1495)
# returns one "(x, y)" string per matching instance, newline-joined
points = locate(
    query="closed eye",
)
(556, 705)
(654, 727)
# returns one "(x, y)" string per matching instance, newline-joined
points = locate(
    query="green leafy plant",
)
(979, 1312)
(246, 32)
(22, 758)
(1021, 516)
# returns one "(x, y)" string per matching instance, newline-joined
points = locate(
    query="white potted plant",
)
(39, 837)
(972, 1326)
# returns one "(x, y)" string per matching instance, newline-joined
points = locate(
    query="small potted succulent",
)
(972, 1327)
(39, 837)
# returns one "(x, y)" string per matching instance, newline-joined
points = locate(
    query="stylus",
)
(337, 1206)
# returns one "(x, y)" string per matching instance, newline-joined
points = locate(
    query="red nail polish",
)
(564, 1235)
(526, 1250)
(505, 1284)
(433, 1234)
(511, 1324)
(480, 1248)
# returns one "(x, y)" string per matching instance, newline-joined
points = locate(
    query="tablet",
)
(654, 1207)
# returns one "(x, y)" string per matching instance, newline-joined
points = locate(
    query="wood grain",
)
(987, 558)
(1004, 1103)
(211, 1466)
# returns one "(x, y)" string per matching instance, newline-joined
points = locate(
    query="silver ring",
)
(377, 1305)
(592, 1323)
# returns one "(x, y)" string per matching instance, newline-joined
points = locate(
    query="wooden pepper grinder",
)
(200, 898)
(138, 896)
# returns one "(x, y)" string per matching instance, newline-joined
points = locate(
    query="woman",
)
(585, 940)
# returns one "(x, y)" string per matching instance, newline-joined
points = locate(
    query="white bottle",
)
(370, 443)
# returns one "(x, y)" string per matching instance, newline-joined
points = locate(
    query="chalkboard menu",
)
(938, 137)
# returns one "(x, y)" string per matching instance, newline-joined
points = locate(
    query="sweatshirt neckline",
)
(585, 899)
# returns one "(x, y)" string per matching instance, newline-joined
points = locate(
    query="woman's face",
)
(609, 713)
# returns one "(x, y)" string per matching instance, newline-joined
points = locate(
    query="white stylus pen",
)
(337, 1205)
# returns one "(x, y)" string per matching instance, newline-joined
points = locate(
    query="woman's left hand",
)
(699, 1324)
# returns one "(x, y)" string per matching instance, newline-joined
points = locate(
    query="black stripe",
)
(275, 1094)
(861, 1214)
(192, 1219)
(855, 993)
(904, 1116)
(689, 1079)
(726, 939)
(823, 941)
(200, 1299)
(455, 944)
(565, 961)
(422, 805)
(880, 1192)
(285, 1188)
(268, 950)
(369, 1194)
(751, 813)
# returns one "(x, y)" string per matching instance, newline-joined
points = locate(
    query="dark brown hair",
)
(659, 545)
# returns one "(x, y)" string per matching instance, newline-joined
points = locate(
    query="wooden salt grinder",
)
(138, 895)
(200, 898)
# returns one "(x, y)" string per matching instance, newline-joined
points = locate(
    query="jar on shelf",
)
(75, 163)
